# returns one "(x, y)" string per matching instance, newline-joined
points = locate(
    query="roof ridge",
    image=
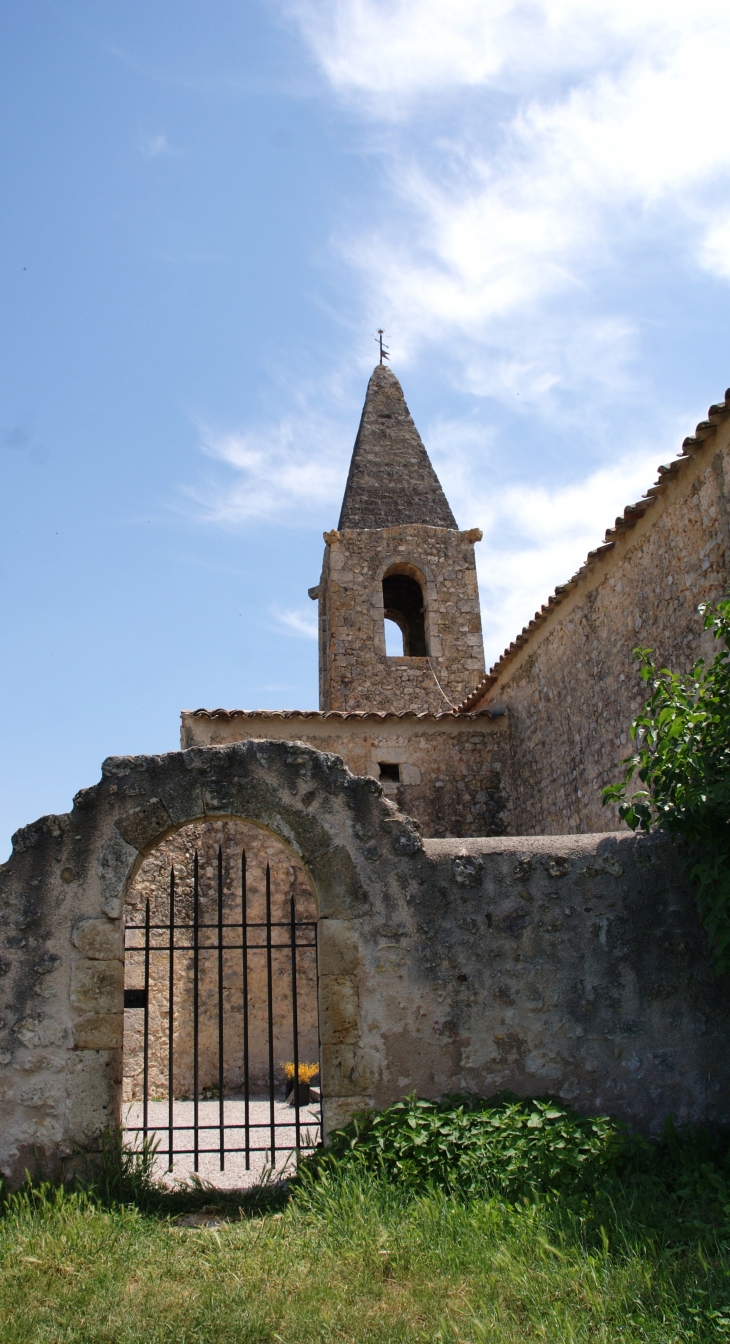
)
(706, 429)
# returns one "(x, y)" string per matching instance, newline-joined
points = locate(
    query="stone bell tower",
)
(397, 554)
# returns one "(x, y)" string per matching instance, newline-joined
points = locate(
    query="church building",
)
(526, 747)
(396, 554)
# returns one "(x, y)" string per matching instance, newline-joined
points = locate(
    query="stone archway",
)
(63, 892)
(479, 965)
(221, 998)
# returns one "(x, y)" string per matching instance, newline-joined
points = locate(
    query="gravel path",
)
(234, 1176)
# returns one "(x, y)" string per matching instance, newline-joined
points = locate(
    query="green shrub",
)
(470, 1147)
(682, 757)
(676, 1187)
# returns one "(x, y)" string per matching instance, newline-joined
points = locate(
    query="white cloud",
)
(596, 129)
(536, 534)
(297, 621)
(408, 48)
(537, 537)
(532, 154)
(152, 146)
(287, 471)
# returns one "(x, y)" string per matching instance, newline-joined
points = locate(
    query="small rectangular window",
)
(389, 772)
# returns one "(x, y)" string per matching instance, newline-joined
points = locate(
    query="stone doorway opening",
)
(221, 1009)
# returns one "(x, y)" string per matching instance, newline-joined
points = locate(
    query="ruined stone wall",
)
(455, 776)
(152, 883)
(355, 672)
(572, 687)
(574, 965)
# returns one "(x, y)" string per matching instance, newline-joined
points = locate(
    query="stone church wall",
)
(454, 769)
(571, 687)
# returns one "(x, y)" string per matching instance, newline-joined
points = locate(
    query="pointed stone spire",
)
(391, 480)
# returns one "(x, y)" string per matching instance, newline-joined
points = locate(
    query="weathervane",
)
(384, 352)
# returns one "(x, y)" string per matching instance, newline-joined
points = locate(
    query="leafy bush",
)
(683, 759)
(468, 1146)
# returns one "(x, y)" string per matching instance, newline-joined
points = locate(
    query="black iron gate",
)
(188, 1125)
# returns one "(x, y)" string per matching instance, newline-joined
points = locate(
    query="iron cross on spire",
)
(384, 352)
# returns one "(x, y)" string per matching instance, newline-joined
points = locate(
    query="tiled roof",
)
(706, 429)
(364, 714)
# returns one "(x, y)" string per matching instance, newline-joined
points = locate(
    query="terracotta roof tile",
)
(363, 714)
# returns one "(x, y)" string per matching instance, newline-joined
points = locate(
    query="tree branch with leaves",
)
(682, 759)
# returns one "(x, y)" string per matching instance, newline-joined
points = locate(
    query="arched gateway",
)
(63, 895)
(533, 964)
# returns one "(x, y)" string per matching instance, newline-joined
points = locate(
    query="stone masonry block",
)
(338, 946)
(339, 1009)
(92, 1090)
(143, 825)
(338, 1110)
(97, 985)
(99, 1031)
(98, 939)
(347, 1070)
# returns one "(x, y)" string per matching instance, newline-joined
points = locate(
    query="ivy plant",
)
(682, 759)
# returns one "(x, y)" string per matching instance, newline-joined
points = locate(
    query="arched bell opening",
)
(221, 1003)
(404, 604)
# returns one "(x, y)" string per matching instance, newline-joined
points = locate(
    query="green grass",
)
(352, 1260)
(360, 1253)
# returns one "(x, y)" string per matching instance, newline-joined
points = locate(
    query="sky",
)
(210, 209)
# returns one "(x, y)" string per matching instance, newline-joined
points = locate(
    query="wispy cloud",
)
(537, 536)
(290, 470)
(537, 533)
(152, 146)
(532, 158)
(530, 151)
(297, 621)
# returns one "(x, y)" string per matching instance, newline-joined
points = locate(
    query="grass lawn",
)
(354, 1259)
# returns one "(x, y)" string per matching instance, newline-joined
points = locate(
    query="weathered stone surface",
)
(351, 1071)
(98, 985)
(339, 1009)
(99, 1031)
(339, 950)
(140, 827)
(355, 671)
(92, 1090)
(391, 480)
(573, 964)
(98, 939)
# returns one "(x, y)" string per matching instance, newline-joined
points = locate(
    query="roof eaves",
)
(319, 714)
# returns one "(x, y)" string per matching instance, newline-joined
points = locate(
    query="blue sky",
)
(208, 212)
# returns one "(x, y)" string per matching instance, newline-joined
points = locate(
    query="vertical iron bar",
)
(270, 986)
(295, 1024)
(319, 1033)
(146, 1043)
(244, 940)
(196, 958)
(221, 1102)
(171, 1020)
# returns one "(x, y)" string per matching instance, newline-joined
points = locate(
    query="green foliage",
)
(357, 1258)
(577, 1233)
(466, 1146)
(682, 758)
